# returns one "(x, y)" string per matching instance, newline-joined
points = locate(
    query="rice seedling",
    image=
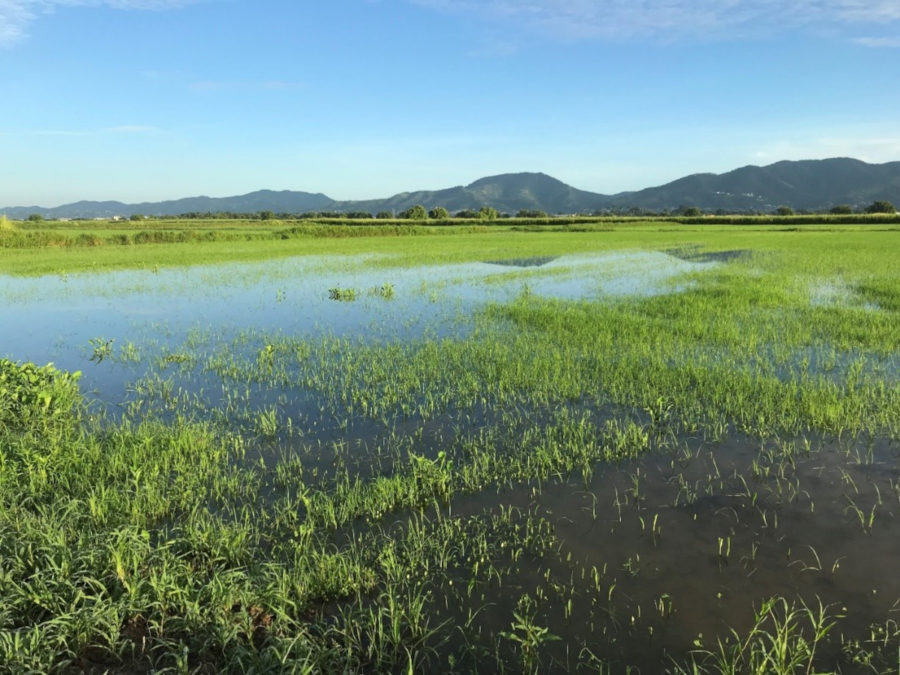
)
(783, 639)
(385, 291)
(343, 294)
(101, 349)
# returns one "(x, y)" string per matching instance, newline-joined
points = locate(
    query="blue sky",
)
(156, 99)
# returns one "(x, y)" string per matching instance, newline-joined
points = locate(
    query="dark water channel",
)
(669, 553)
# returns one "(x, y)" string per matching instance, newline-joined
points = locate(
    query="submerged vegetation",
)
(702, 479)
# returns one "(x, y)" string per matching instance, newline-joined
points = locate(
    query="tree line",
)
(438, 213)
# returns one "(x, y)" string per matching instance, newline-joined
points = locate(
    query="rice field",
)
(639, 449)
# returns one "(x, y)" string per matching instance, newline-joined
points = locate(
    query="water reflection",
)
(53, 318)
(524, 262)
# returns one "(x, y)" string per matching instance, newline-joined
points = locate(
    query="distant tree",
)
(784, 211)
(841, 209)
(531, 213)
(438, 213)
(690, 211)
(416, 212)
(881, 206)
(266, 215)
(35, 217)
(488, 213)
(359, 215)
(384, 215)
(466, 213)
(136, 216)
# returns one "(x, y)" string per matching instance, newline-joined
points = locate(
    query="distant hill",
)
(509, 192)
(815, 185)
(285, 201)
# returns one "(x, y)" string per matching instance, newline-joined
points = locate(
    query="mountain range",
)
(815, 185)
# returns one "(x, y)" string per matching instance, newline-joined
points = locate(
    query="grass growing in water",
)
(281, 503)
(343, 294)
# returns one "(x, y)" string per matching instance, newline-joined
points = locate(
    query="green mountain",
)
(284, 201)
(508, 193)
(809, 184)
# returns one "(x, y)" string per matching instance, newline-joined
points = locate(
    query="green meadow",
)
(593, 447)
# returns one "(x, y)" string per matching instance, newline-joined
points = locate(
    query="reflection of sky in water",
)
(53, 318)
(837, 293)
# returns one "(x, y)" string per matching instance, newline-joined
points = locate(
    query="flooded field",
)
(647, 459)
(64, 318)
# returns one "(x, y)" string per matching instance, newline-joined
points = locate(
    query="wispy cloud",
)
(133, 129)
(59, 132)
(874, 149)
(879, 42)
(672, 19)
(16, 15)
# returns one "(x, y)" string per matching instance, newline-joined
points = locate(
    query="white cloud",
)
(672, 19)
(16, 15)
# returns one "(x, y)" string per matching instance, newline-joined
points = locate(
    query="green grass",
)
(568, 486)
(148, 244)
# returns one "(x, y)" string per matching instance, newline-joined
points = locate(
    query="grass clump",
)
(342, 294)
(782, 641)
(36, 397)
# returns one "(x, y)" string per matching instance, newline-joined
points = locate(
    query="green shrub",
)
(36, 397)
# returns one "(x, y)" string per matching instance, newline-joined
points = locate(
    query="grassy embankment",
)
(575, 485)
